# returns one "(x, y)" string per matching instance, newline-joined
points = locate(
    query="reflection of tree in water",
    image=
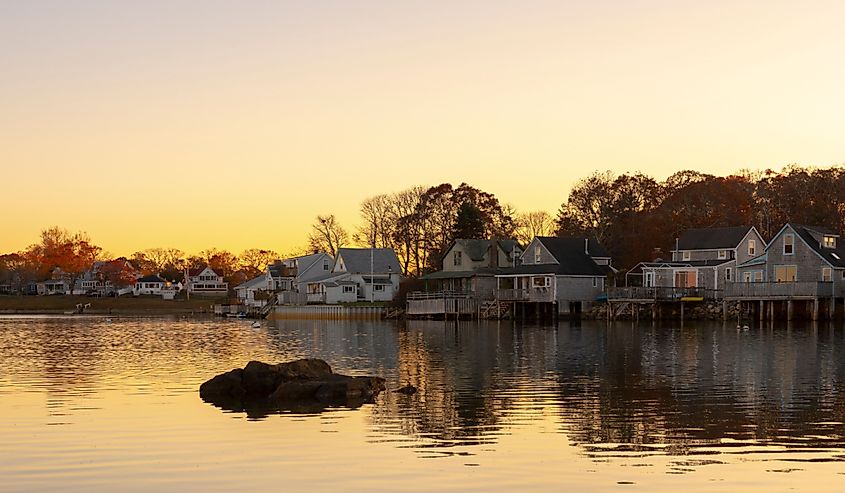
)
(697, 386)
(465, 376)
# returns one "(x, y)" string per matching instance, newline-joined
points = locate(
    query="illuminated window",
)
(786, 273)
(685, 255)
(723, 254)
(827, 274)
(830, 242)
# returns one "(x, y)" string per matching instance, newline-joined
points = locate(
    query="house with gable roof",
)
(289, 278)
(565, 275)
(470, 267)
(358, 274)
(800, 261)
(204, 281)
(704, 260)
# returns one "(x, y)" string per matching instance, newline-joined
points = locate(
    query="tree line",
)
(635, 216)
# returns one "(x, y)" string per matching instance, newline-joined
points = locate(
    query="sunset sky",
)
(197, 124)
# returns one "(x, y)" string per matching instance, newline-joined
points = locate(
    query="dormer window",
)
(723, 254)
(752, 247)
(538, 254)
(788, 244)
(685, 255)
(830, 242)
(326, 265)
(458, 258)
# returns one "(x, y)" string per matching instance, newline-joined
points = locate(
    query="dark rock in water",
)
(306, 385)
(407, 390)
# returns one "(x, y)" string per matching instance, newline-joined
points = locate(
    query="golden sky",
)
(199, 124)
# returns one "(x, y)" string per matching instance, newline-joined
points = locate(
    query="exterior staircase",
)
(494, 310)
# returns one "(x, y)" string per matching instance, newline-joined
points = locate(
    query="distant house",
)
(204, 281)
(53, 287)
(95, 280)
(148, 285)
(293, 274)
(358, 274)
(253, 292)
(800, 254)
(470, 267)
(568, 273)
(705, 259)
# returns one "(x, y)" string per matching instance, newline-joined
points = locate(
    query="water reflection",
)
(692, 397)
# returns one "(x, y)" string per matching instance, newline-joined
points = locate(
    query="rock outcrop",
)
(306, 385)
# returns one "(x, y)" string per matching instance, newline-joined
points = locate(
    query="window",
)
(728, 274)
(827, 274)
(538, 254)
(378, 287)
(540, 282)
(349, 289)
(326, 265)
(746, 276)
(830, 242)
(595, 282)
(458, 258)
(785, 273)
(752, 247)
(723, 254)
(686, 279)
(788, 244)
(685, 255)
(758, 276)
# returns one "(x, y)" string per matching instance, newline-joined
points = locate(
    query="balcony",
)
(534, 295)
(782, 290)
(662, 294)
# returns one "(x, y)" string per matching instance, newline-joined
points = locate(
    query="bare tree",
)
(327, 235)
(255, 260)
(534, 223)
(377, 228)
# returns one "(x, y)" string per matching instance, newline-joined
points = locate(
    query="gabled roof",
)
(253, 283)
(196, 272)
(833, 256)
(476, 249)
(712, 238)
(571, 256)
(461, 274)
(561, 247)
(357, 260)
(150, 278)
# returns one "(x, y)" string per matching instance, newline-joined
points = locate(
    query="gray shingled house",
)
(704, 261)
(469, 267)
(557, 275)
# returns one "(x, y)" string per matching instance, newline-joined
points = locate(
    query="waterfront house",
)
(557, 275)
(800, 261)
(254, 292)
(357, 274)
(149, 285)
(703, 262)
(470, 267)
(204, 281)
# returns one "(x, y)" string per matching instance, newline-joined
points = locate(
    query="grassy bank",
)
(128, 305)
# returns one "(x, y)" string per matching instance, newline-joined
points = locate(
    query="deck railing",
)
(811, 289)
(662, 293)
(437, 295)
(540, 295)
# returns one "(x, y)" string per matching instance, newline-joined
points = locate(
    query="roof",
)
(571, 256)
(151, 278)
(357, 260)
(253, 283)
(562, 247)
(198, 271)
(833, 256)
(476, 249)
(712, 238)
(461, 274)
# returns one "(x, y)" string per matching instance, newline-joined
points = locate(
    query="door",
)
(649, 280)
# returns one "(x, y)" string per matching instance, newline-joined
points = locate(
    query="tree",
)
(531, 224)
(255, 260)
(118, 272)
(327, 235)
(468, 223)
(71, 254)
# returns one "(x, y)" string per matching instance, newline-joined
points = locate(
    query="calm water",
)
(87, 404)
